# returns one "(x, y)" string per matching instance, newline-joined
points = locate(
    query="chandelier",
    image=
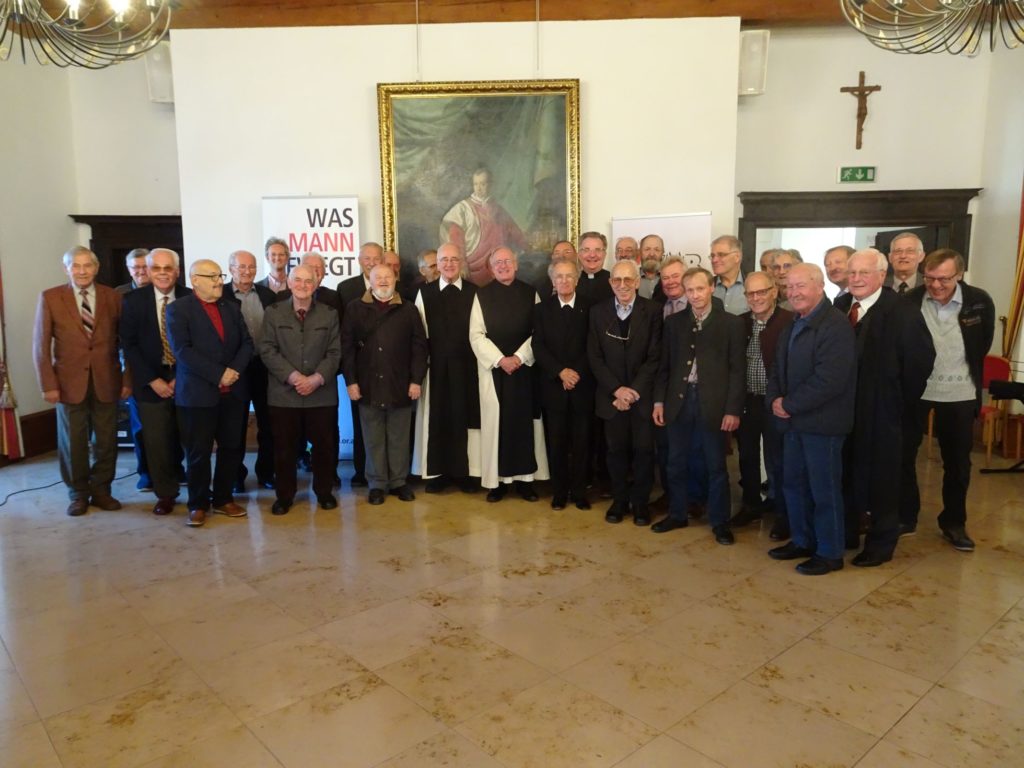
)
(929, 26)
(83, 33)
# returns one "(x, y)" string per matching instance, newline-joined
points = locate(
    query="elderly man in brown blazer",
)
(76, 354)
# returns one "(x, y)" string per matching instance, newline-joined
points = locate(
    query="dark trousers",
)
(687, 426)
(163, 446)
(696, 467)
(630, 440)
(138, 439)
(567, 420)
(358, 445)
(813, 485)
(78, 426)
(257, 376)
(319, 426)
(199, 428)
(954, 429)
(387, 445)
(757, 427)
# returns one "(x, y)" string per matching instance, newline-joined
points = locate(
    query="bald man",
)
(212, 348)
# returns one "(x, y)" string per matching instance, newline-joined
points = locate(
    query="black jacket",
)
(140, 339)
(616, 363)
(559, 342)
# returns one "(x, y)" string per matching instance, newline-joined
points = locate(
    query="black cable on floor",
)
(51, 485)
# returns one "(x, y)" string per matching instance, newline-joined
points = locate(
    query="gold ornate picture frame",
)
(481, 164)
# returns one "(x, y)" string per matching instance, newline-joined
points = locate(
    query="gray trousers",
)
(89, 422)
(386, 436)
(163, 446)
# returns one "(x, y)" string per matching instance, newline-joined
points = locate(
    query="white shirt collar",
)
(867, 302)
(570, 303)
(457, 282)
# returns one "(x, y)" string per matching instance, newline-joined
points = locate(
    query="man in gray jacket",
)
(301, 349)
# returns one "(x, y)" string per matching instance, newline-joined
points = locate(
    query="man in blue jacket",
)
(811, 391)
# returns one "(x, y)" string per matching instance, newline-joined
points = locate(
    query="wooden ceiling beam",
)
(207, 14)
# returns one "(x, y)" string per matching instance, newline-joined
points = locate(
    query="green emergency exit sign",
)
(857, 174)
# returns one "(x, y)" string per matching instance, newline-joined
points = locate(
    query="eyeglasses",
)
(904, 251)
(241, 268)
(158, 270)
(940, 280)
(722, 255)
(214, 277)
(621, 280)
(758, 294)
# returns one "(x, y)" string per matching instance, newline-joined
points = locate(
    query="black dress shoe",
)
(789, 551)
(641, 517)
(163, 506)
(723, 535)
(358, 481)
(559, 502)
(280, 507)
(780, 529)
(582, 503)
(377, 496)
(266, 482)
(958, 538)
(667, 524)
(436, 484)
(404, 493)
(615, 513)
(819, 566)
(496, 494)
(745, 516)
(327, 502)
(868, 559)
(526, 491)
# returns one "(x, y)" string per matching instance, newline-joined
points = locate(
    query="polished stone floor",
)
(451, 632)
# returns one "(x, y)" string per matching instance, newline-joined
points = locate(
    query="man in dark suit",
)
(147, 351)
(353, 289)
(894, 357)
(593, 285)
(699, 388)
(135, 262)
(811, 390)
(79, 370)
(567, 385)
(623, 348)
(300, 344)
(253, 299)
(961, 319)
(906, 252)
(762, 323)
(212, 348)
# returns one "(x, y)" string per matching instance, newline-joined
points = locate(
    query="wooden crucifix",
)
(862, 92)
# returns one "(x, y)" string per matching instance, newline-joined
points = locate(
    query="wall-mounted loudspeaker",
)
(753, 61)
(158, 73)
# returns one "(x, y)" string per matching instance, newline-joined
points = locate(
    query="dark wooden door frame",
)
(113, 236)
(942, 208)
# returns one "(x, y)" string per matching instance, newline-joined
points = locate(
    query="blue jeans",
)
(141, 465)
(688, 428)
(813, 487)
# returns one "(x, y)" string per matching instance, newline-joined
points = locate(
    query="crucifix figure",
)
(862, 92)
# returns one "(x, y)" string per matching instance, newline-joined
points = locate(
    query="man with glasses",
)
(627, 248)
(726, 255)
(906, 252)
(961, 319)
(448, 434)
(567, 386)
(252, 299)
(894, 357)
(212, 348)
(135, 262)
(783, 261)
(501, 335)
(699, 389)
(147, 351)
(764, 322)
(623, 348)
(277, 254)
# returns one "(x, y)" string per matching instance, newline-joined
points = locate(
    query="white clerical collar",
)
(570, 303)
(457, 282)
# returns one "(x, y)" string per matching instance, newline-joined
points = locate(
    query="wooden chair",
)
(993, 413)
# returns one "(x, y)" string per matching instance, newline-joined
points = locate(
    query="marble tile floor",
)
(452, 632)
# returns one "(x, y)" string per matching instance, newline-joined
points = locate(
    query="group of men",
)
(581, 379)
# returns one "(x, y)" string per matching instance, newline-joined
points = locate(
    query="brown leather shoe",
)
(196, 517)
(230, 509)
(77, 507)
(163, 506)
(105, 502)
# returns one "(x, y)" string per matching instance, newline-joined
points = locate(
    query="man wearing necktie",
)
(905, 254)
(147, 351)
(894, 357)
(79, 370)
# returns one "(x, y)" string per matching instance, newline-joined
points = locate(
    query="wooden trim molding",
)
(39, 434)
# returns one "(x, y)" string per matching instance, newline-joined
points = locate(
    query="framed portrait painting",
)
(480, 164)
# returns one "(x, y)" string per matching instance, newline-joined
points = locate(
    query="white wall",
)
(125, 147)
(252, 122)
(924, 129)
(38, 193)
